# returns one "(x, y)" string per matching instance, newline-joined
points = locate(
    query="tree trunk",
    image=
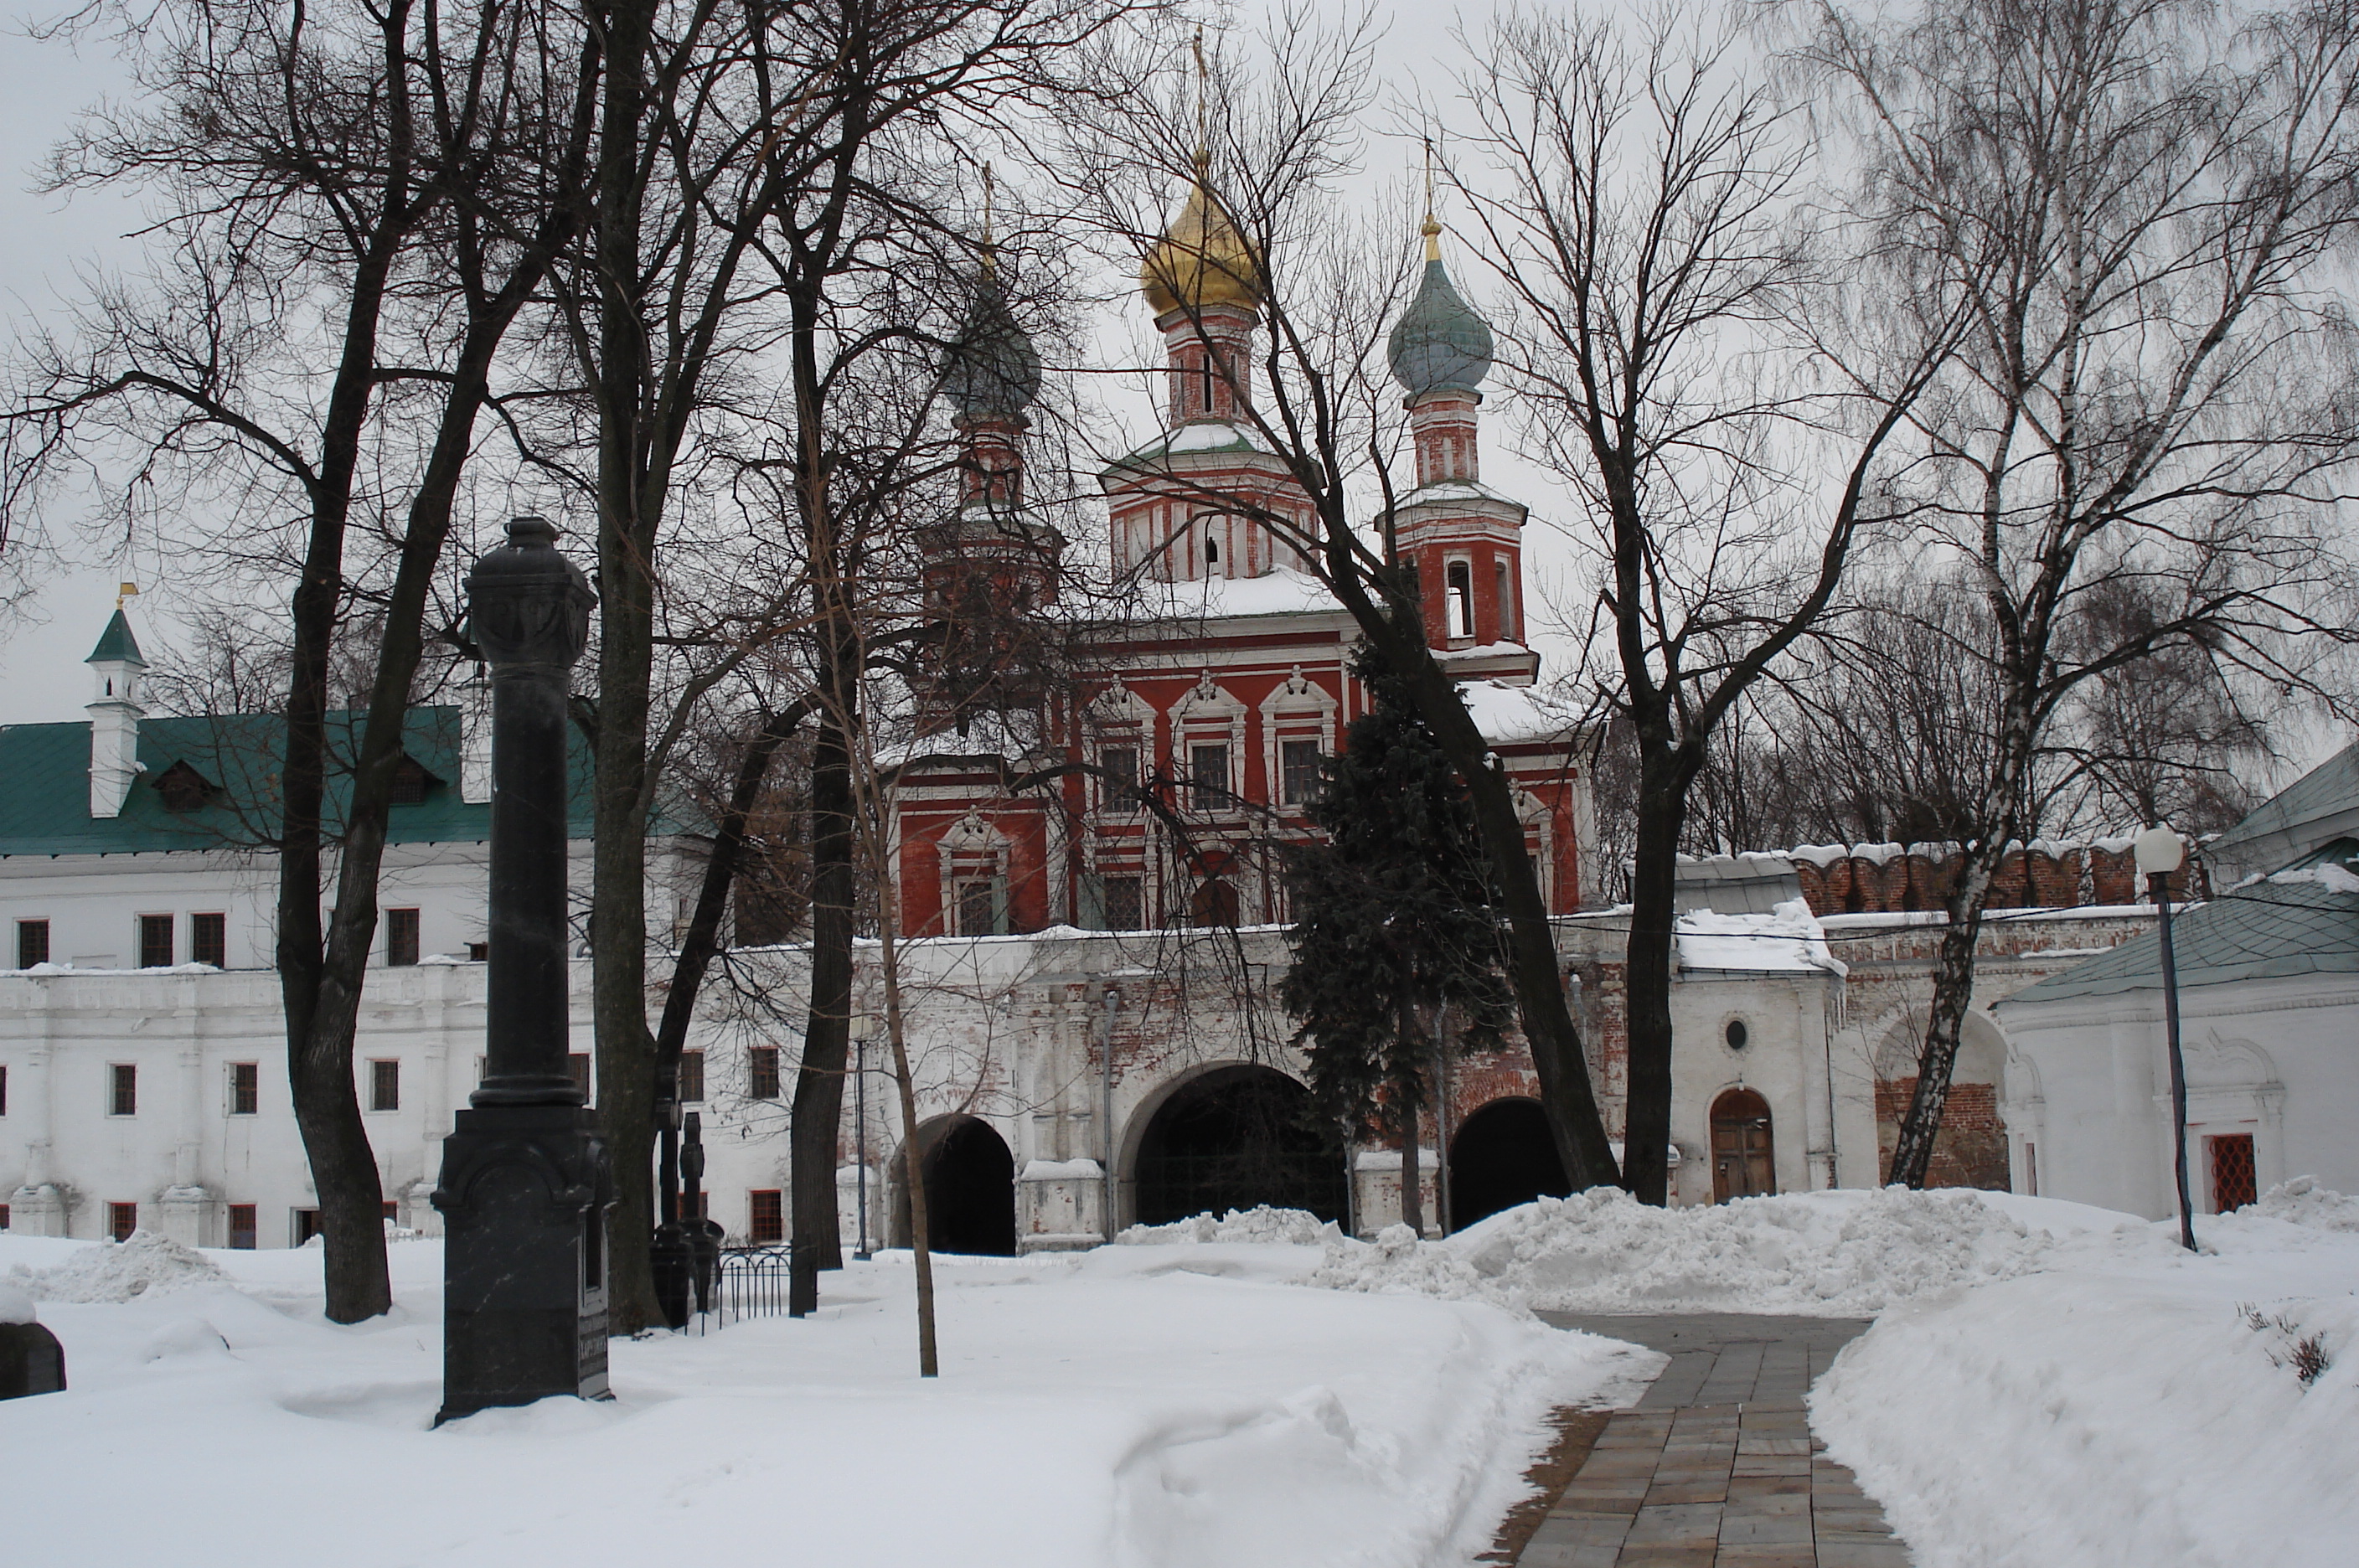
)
(618, 930)
(1954, 992)
(1646, 978)
(817, 1116)
(1412, 1200)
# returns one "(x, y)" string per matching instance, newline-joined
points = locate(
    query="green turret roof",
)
(1439, 343)
(116, 645)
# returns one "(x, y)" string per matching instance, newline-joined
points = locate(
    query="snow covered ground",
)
(2046, 1383)
(1168, 1406)
(2128, 1404)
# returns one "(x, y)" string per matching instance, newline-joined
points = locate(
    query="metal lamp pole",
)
(2160, 853)
(862, 1252)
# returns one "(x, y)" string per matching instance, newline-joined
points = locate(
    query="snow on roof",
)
(1280, 591)
(1788, 940)
(1454, 490)
(1506, 713)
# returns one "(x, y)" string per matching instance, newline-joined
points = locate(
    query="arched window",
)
(1507, 599)
(1460, 578)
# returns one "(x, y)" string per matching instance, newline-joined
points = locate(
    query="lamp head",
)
(2159, 852)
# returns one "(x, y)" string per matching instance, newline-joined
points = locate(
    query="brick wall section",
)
(2071, 876)
(1971, 1149)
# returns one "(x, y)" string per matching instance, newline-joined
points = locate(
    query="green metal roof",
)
(2324, 792)
(45, 810)
(2268, 930)
(117, 642)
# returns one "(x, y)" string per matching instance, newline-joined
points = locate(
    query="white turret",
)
(115, 717)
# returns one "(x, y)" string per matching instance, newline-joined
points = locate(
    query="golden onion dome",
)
(1201, 260)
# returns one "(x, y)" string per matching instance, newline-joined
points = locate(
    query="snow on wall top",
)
(1785, 940)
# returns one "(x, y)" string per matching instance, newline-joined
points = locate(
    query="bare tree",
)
(402, 177)
(1644, 226)
(2138, 204)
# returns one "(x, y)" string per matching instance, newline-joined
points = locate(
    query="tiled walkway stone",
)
(1716, 1467)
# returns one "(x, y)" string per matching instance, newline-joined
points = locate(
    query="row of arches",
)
(1239, 1136)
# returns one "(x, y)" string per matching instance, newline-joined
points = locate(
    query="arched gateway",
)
(1500, 1156)
(969, 1188)
(1231, 1139)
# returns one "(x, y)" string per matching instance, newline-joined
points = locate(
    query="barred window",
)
(1208, 776)
(122, 1219)
(1298, 772)
(762, 1073)
(154, 941)
(209, 940)
(244, 1088)
(241, 1227)
(766, 1217)
(123, 1082)
(400, 937)
(691, 1076)
(32, 943)
(384, 1085)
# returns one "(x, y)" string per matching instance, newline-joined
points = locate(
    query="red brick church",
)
(1152, 788)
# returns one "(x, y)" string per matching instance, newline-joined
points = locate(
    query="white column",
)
(36, 1207)
(187, 1205)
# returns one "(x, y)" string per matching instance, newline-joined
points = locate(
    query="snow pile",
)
(1843, 1254)
(1398, 1263)
(146, 1264)
(2303, 1202)
(16, 1307)
(2129, 1406)
(1122, 1408)
(1261, 1223)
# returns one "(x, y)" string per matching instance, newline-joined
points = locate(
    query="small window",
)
(241, 1227)
(1298, 772)
(384, 1085)
(410, 782)
(691, 1076)
(3, 1216)
(1118, 779)
(1460, 578)
(122, 1219)
(400, 937)
(1737, 1034)
(124, 1089)
(390, 1210)
(2234, 1177)
(577, 1067)
(1505, 585)
(762, 1073)
(155, 942)
(244, 1088)
(32, 943)
(1212, 549)
(766, 1217)
(3, 1100)
(1208, 778)
(307, 1226)
(209, 940)
(978, 908)
(182, 789)
(1125, 904)
(479, 953)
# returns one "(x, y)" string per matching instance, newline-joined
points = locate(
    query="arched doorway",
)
(1744, 1162)
(969, 1188)
(1502, 1156)
(1231, 1139)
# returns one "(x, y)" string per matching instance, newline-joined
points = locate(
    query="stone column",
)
(36, 1207)
(187, 1206)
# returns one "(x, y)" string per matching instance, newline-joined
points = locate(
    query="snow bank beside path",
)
(1138, 1407)
(2140, 1406)
(1839, 1254)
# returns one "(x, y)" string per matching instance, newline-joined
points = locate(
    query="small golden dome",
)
(1201, 260)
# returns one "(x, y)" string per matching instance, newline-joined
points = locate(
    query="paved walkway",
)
(1716, 1467)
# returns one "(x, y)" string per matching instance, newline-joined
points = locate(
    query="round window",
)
(1736, 1034)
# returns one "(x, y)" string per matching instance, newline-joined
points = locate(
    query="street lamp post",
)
(2160, 853)
(526, 1184)
(861, 1253)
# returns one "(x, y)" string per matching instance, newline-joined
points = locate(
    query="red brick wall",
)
(1971, 1149)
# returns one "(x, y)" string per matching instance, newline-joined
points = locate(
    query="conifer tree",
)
(1394, 921)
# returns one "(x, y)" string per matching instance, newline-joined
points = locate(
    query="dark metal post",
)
(860, 1112)
(703, 1235)
(2157, 884)
(526, 1184)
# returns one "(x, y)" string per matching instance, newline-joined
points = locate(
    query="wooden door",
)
(1744, 1161)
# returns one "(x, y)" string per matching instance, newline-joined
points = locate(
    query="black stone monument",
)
(526, 1182)
(31, 1361)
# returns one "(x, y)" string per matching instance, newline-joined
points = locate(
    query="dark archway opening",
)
(1237, 1137)
(970, 1190)
(1502, 1156)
